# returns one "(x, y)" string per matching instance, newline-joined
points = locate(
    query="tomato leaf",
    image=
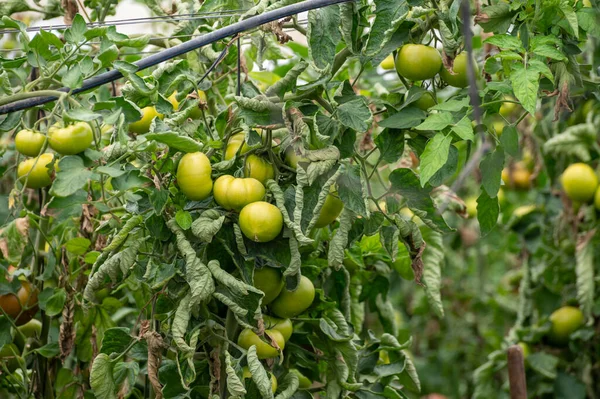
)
(101, 377)
(491, 171)
(389, 14)
(434, 156)
(355, 114)
(525, 83)
(391, 144)
(71, 177)
(436, 121)
(323, 34)
(404, 119)
(488, 211)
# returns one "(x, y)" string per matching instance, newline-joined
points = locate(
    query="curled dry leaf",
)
(155, 347)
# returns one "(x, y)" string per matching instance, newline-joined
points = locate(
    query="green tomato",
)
(579, 182)
(332, 207)
(471, 204)
(508, 108)
(143, 125)
(194, 176)
(424, 102)
(258, 168)
(291, 158)
(261, 221)
(72, 139)
(31, 329)
(11, 357)
(460, 77)
(269, 281)
(292, 303)
(35, 171)
(264, 350)
(284, 326)
(233, 146)
(388, 62)
(29, 143)
(565, 321)
(234, 194)
(247, 375)
(418, 62)
(304, 382)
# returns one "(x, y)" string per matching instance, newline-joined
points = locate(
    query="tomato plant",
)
(373, 199)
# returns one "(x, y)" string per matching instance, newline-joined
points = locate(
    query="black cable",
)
(178, 50)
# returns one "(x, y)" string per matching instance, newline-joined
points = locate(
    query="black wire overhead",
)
(155, 59)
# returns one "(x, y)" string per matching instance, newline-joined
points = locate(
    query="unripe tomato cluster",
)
(282, 303)
(64, 140)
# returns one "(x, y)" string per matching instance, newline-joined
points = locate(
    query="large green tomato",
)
(258, 168)
(248, 338)
(284, 326)
(193, 176)
(35, 171)
(304, 382)
(460, 78)
(10, 355)
(261, 221)
(579, 182)
(332, 207)
(29, 143)
(21, 306)
(269, 281)
(565, 321)
(234, 194)
(292, 303)
(143, 125)
(71, 139)
(247, 374)
(418, 62)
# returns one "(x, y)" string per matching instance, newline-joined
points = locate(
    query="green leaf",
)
(584, 270)
(434, 156)
(571, 17)
(588, 21)
(464, 129)
(49, 350)
(101, 377)
(259, 374)
(491, 171)
(108, 55)
(71, 177)
(510, 140)
(391, 145)
(549, 51)
(567, 386)
(525, 84)
(543, 363)
(184, 219)
(73, 79)
(436, 121)
(355, 114)
(495, 18)
(55, 304)
(405, 182)
(176, 141)
(505, 42)
(78, 245)
(406, 118)
(75, 33)
(80, 114)
(389, 14)
(323, 35)
(115, 340)
(488, 211)
(207, 225)
(350, 190)
(433, 257)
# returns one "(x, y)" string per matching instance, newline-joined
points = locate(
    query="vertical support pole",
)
(239, 67)
(516, 373)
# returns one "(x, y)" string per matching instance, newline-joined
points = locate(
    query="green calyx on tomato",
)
(235, 193)
(460, 78)
(29, 143)
(261, 221)
(34, 172)
(580, 182)
(258, 168)
(418, 62)
(269, 281)
(264, 350)
(565, 321)
(247, 375)
(21, 306)
(71, 139)
(284, 326)
(304, 382)
(332, 207)
(292, 303)
(194, 176)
